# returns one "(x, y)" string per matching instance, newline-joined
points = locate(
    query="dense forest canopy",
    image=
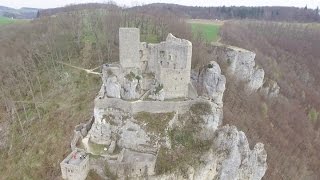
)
(221, 13)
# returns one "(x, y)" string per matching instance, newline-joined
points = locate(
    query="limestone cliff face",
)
(234, 158)
(229, 158)
(241, 64)
(213, 82)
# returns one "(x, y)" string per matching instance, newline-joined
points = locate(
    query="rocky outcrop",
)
(229, 158)
(112, 87)
(234, 158)
(129, 89)
(156, 92)
(256, 80)
(242, 65)
(213, 82)
(270, 88)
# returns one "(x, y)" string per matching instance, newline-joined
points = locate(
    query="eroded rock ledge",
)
(241, 64)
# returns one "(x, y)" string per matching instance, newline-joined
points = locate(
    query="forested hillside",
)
(224, 13)
(194, 12)
(288, 125)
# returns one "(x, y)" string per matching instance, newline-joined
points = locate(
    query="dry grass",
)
(155, 122)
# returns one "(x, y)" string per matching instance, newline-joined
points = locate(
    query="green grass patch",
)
(6, 21)
(186, 148)
(313, 115)
(186, 145)
(210, 32)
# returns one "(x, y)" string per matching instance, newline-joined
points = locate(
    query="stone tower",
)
(129, 45)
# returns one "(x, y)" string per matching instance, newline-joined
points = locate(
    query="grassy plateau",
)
(209, 30)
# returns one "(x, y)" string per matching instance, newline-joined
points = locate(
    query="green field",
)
(210, 32)
(5, 20)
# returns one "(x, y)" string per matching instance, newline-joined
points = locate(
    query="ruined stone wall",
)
(176, 66)
(74, 172)
(175, 82)
(143, 56)
(129, 46)
(153, 54)
(133, 164)
(169, 61)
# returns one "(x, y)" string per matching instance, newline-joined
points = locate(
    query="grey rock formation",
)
(129, 89)
(159, 96)
(211, 122)
(157, 92)
(242, 65)
(231, 158)
(256, 80)
(132, 136)
(112, 147)
(113, 87)
(270, 89)
(113, 125)
(213, 82)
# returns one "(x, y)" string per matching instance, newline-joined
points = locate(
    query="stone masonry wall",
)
(147, 106)
(129, 45)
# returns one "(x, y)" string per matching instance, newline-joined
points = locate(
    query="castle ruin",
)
(158, 71)
(75, 166)
(148, 95)
(149, 78)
